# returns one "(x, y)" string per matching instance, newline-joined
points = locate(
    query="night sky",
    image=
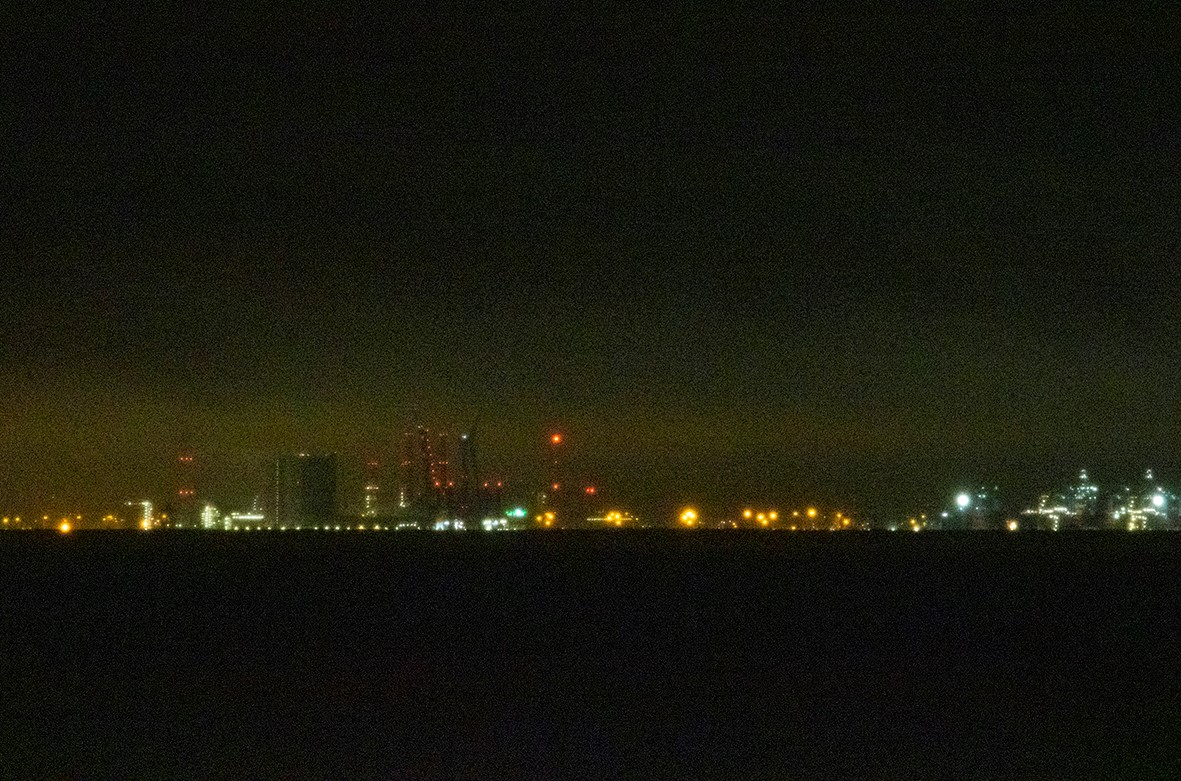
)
(853, 256)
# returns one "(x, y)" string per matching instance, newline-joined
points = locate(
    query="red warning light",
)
(556, 439)
(590, 489)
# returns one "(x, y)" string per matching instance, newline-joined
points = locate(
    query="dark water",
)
(617, 655)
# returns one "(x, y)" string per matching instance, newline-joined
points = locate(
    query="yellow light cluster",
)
(763, 517)
(815, 519)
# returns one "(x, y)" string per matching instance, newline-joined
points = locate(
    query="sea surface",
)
(609, 655)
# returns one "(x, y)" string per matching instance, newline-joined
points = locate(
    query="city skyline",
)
(855, 255)
(421, 480)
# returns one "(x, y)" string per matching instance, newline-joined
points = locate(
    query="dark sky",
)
(848, 255)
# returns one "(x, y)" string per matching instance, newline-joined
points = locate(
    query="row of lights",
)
(65, 525)
(689, 517)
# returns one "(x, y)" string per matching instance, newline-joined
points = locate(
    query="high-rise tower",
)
(183, 510)
(372, 488)
(468, 496)
(417, 468)
(303, 490)
(555, 492)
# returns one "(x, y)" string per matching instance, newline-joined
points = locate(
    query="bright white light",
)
(963, 501)
(1158, 500)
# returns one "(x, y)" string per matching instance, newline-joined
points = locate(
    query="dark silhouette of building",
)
(468, 497)
(303, 490)
(427, 488)
(183, 509)
(417, 468)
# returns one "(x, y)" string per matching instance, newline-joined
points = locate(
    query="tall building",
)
(417, 468)
(556, 463)
(552, 493)
(564, 493)
(372, 489)
(303, 490)
(184, 510)
(427, 484)
(1083, 500)
(441, 469)
(144, 515)
(468, 496)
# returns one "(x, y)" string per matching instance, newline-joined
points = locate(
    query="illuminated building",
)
(1073, 507)
(372, 489)
(1147, 507)
(303, 490)
(146, 519)
(1082, 499)
(370, 509)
